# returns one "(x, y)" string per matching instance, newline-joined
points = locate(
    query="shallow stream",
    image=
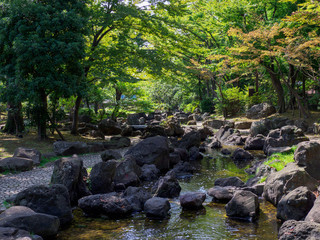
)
(209, 223)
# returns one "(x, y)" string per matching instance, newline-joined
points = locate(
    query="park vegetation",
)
(110, 58)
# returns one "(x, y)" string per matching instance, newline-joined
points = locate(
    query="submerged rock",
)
(157, 208)
(192, 200)
(109, 204)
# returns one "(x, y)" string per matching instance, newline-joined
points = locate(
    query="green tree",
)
(45, 39)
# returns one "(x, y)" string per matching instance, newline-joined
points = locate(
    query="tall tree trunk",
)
(75, 120)
(42, 116)
(293, 77)
(117, 107)
(276, 83)
(257, 81)
(14, 124)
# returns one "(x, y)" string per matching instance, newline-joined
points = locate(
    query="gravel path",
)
(14, 183)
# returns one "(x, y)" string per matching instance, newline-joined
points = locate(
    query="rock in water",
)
(299, 230)
(157, 208)
(192, 200)
(109, 204)
(244, 205)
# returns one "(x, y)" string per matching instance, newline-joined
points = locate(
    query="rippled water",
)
(209, 223)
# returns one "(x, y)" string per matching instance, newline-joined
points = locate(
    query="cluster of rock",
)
(23, 159)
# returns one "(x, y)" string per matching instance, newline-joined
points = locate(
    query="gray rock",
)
(215, 144)
(153, 150)
(167, 186)
(286, 136)
(314, 213)
(260, 111)
(221, 194)
(157, 208)
(189, 140)
(69, 172)
(254, 143)
(101, 177)
(137, 196)
(53, 200)
(192, 200)
(229, 181)
(109, 127)
(194, 154)
(127, 172)
(307, 155)
(109, 204)
(30, 153)
(63, 148)
(241, 155)
(153, 130)
(9, 233)
(243, 205)
(149, 172)
(289, 178)
(183, 169)
(273, 150)
(296, 204)
(24, 218)
(110, 154)
(299, 230)
(117, 142)
(16, 164)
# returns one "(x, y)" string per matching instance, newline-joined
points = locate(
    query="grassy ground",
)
(8, 143)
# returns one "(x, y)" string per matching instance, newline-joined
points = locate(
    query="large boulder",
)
(25, 218)
(265, 125)
(101, 177)
(9, 233)
(53, 200)
(307, 155)
(296, 204)
(153, 150)
(221, 194)
(289, 178)
(243, 205)
(30, 153)
(255, 143)
(241, 155)
(167, 186)
(229, 136)
(190, 140)
(137, 196)
(284, 137)
(229, 181)
(314, 213)
(109, 127)
(63, 148)
(192, 200)
(127, 172)
(299, 230)
(183, 169)
(153, 130)
(15, 164)
(260, 110)
(157, 208)
(109, 204)
(69, 172)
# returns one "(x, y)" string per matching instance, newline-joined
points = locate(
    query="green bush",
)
(206, 105)
(231, 102)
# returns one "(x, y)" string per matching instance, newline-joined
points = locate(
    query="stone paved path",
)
(14, 183)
